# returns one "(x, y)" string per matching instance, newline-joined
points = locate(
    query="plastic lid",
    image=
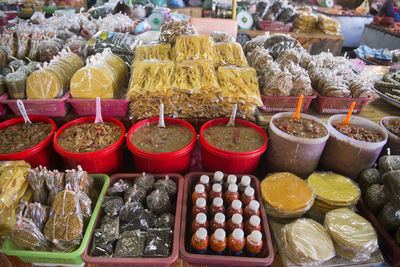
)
(254, 205)
(201, 218)
(256, 236)
(233, 188)
(236, 204)
(204, 179)
(219, 234)
(237, 218)
(217, 188)
(201, 202)
(218, 202)
(218, 176)
(231, 179)
(245, 180)
(238, 234)
(254, 220)
(219, 217)
(199, 188)
(201, 233)
(249, 191)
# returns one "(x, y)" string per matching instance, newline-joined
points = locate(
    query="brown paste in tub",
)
(89, 137)
(393, 126)
(303, 128)
(152, 138)
(359, 133)
(20, 137)
(236, 139)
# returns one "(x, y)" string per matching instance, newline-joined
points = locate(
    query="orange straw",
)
(347, 120)
(296, 115)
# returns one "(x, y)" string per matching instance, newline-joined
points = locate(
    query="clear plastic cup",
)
(393, 141)
(349, 156)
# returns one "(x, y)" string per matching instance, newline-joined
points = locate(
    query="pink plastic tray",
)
(109, 107)
(278, 26)
(266, 256)
(288, 103)
(49, 108)
(178, 179)
(332, 105)
(3, 109)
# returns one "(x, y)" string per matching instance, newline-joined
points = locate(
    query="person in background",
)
(389, 10)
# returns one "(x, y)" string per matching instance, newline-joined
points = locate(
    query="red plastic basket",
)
(49, 108)
(386, 242)
(109, 107)
(285, 103)
(178, 179)
(277, 26)
(3, 109)
(265, 257)
(333, 105)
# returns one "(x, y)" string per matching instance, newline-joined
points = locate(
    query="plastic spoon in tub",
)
(161, 123)
(296, 115)
(22, 110)
(99, 118)
(347, 119)
(231, 122)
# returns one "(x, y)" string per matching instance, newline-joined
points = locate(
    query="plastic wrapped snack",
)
(49, 49)
(307, 242)
(118, 188)
(36, 179)
(148, 220)
(167, 185)
(16, 84)
(66, 203)
(135, 193)
(9, 42)
(130, 244)
(198, 47)
(260, 59)
(100, 248)
(24, 43)
(239, 85)
(153, 51)
(353, 236)
(328, 25)
(172, 30)
(119, 43)
(104, 76)
(304, 22)
(278, 42)
(76, 45)
(131, 211)
(275, 82)
(39, 214)
(258, 41)
(229, 54)
(112, 205)
(166, 220)
(221, 37)
(145, 181)
(158, 243)
(54, 183)
(3, 58)
(27, 235)
(110, 228)
(79, 180)
(158, 202)
(53, 80)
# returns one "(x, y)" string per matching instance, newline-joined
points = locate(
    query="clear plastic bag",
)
(222, 37)
(135, 193)
(38, 213)
(131, 244)
(229, 54)
(3, 58)
(119, 43)
(170, 31)
(79, 180)
(153, 52)
(23, 44)
(37, 181)
(148, 220)
(118, 188)
(27, 235)
(49, 49)
(112, 205)
(145, 181)
(255, 42)
(100, 248)
(16, 84)
(110, 228)
(158, 243)
(54, 183)
(166, 220)
(197, 47)
(167, 185)
(76, 45)
(131, 211)
(158, 202)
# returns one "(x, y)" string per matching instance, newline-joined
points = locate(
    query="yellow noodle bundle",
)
(158, 51)
(229, 53)
(198, 47)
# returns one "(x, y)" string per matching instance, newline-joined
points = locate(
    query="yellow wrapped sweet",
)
(158, 51)
(104, 76)
(198, 47)
(229, 54)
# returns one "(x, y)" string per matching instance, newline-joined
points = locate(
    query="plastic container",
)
(387, 244)
(276, 26)
(108, 160)
(109, 107)
(175, 161)
(62, 258)
(332, 105)
(293, 154)
(57, 107)
(348, 156)
(41, 154)
(3, 109)
(264, 258)
(178, 179)
(228, 161)
(288, 103)
(393, 141)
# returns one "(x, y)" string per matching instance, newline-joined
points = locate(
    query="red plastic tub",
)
(176, 161)
(286, 103)
(41, 154)
(178, 179)
(332, 105)
(232, 162)
(108, 160)
(266, 255)
(109, 107)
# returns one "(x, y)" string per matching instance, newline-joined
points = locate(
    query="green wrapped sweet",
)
(388, 218)
(389, 163)
(391, 181)
(375, 198)
(368, 177)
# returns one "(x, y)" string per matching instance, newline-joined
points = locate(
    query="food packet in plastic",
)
(23, 44)
(118, 188)
(54, 183)
(16, 84)
(153, 51)
(27, 235)
(229, 54)
(166, 220)
(158, 243)
(167, 185)
(37, 181)
(130, 244)
(170, 31)
(3, 58)
(112, 205)
(145, 181)
(49, 48)
(100, 248)
(131, 211)
(135, 193)
(66, 203)
(76, 45)
(197, 47)
(221, 37)
(38, 213)
(158, 202)
(110, 228)
(258, 41)
(79, 180)
(119, 43)
(9, 42)
(148, 220)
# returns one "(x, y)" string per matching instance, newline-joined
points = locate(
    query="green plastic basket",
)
(60, 258)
